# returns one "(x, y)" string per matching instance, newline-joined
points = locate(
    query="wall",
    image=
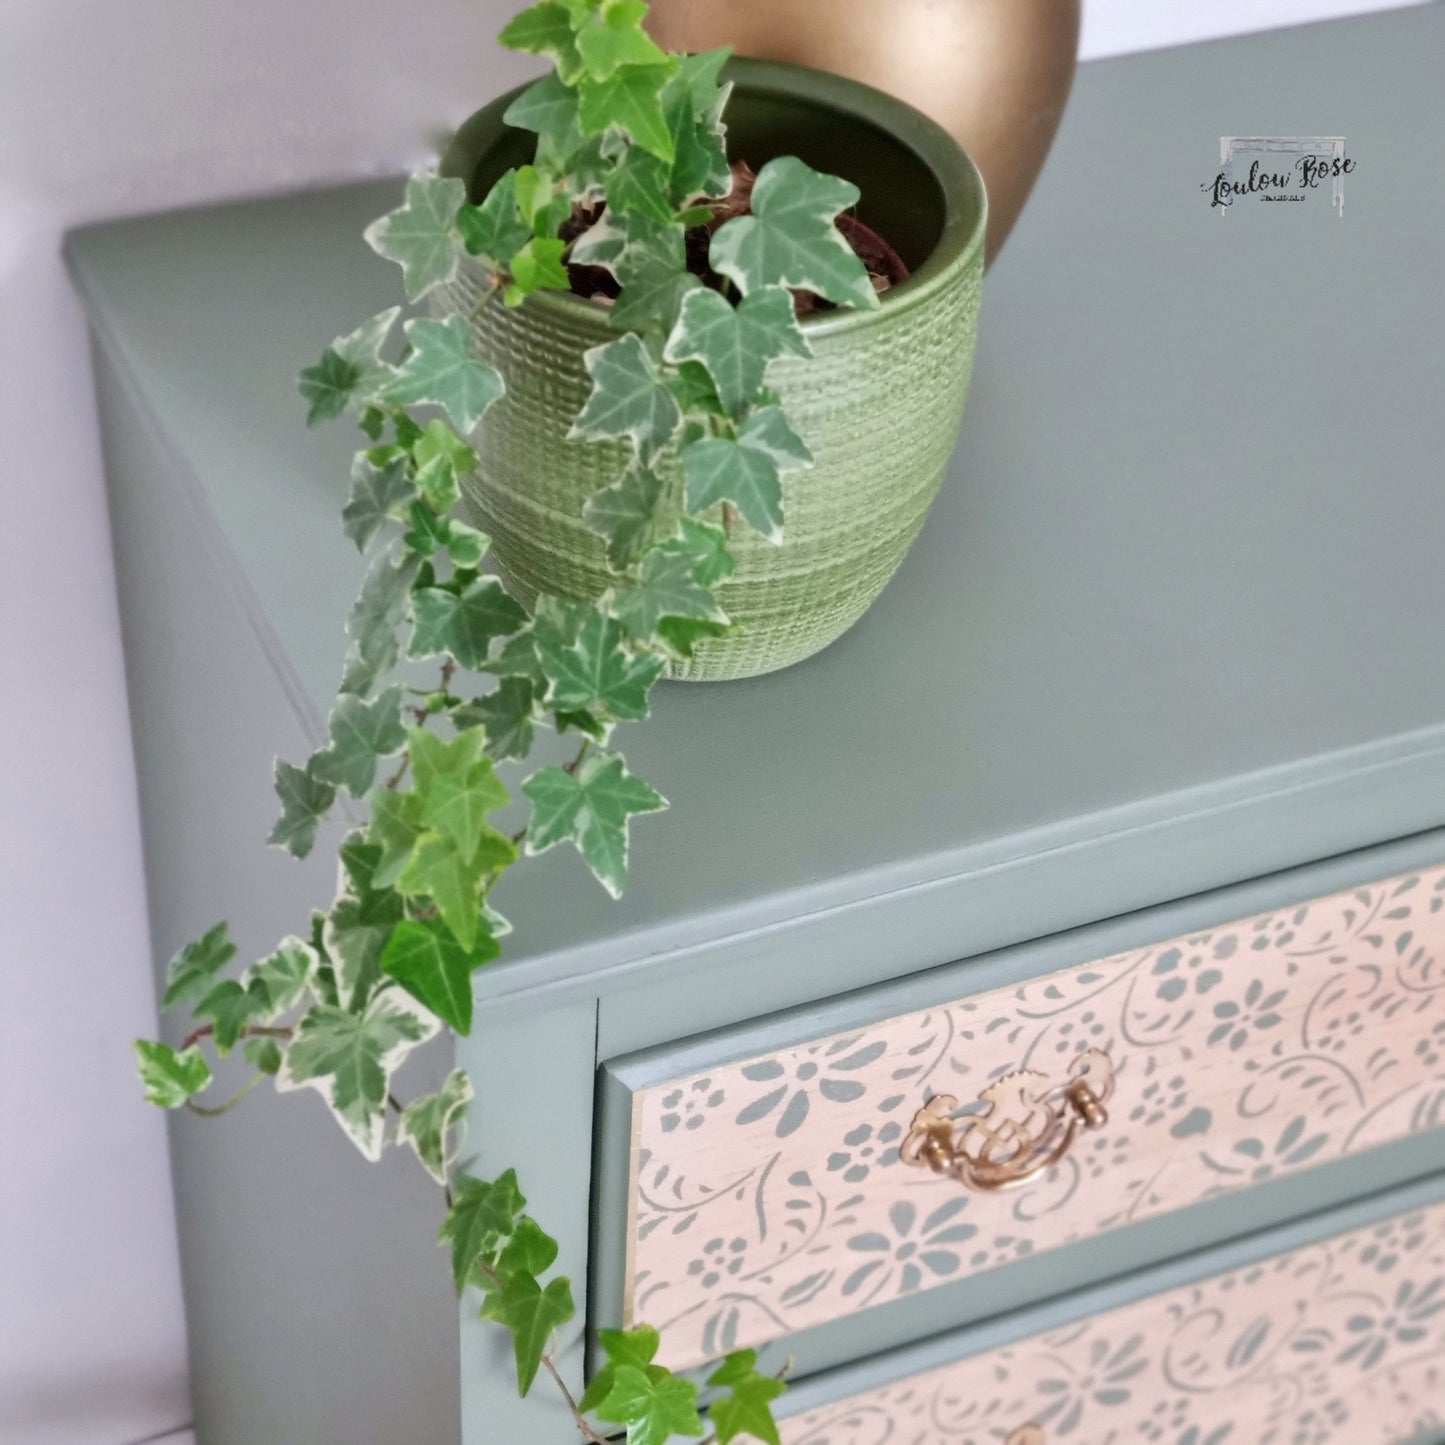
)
(104, 110)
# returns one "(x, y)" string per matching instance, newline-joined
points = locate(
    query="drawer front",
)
(769, 1195)
(1340, 1343)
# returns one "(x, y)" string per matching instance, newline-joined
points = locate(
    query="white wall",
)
(107, 108)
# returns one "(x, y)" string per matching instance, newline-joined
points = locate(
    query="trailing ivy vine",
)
(627, 128)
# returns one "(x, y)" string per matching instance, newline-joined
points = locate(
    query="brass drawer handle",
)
(1027, 1435)
(1028, 1127)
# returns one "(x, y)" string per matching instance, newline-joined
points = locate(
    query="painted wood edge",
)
(892, 1366)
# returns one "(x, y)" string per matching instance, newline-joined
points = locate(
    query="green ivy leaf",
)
(464, 624)
(537, 267)
(549, 108)
(653, 1403)
(456, 786)
(746, 470)
(531, 1313)
(356, 929)
(635, 1347)
(427, 1124)
(693, 103)
(263, 1055)
(442, 458)
(380, 609)
(638, 185)
(707, 548)
(362, 733)
(495, 230)
(546, 29)
(465, 544)
(442, 370)
(230, 1007)
(595, 670)
(350, 373)
(541, 203)
(506, 717)
(191, 972)
(631, 100)
(591, 809)
(285, 975)
(530, 1250)
(482, 1215)
(666, 587)
(421, 235)
(790, 239)
(437, 869)
(393, 830)
(437, 970)
(628, 399)
(378, 495)
(695, 391)
(170, 1078)
(613, 37)
(305, 800)
(350, 1058)
(736, 343)
(633, 514)
(748, 1411)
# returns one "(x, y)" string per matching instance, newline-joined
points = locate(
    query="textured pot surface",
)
(878, 403)
(994, 73)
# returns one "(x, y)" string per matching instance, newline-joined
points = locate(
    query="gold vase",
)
(996, 73)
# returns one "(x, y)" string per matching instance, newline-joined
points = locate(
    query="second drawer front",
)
(768, 1196)
(1341, 1343)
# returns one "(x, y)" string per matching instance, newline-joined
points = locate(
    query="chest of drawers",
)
(1140, 759)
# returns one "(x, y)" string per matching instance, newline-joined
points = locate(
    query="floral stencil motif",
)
(1342, 1343)
(1242, 1054)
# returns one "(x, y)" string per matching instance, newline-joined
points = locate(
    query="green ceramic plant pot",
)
(879, 402)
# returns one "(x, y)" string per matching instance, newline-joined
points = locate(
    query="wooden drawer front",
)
(1342, 1343)
(768, 1196)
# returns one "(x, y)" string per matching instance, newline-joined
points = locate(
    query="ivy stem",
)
(480, 304)
(212, 1113)
(251, 1031)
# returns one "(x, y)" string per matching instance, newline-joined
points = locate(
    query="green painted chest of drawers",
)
(1142, 753)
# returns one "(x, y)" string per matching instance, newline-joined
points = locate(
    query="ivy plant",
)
(634, 137)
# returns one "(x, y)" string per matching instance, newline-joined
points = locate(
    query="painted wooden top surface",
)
(1187, 554)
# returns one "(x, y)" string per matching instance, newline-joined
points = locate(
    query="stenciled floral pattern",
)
(770, 1196)
(1342, 1343)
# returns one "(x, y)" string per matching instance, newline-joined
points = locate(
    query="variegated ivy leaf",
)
(790, 239)
(351, 372)
(421, 235)
(628, 399)
(433, 1125)
(612, 36)
(456, 786)
(652, 269)
(378, 495)
(736, 343)
(483, 1214)
(466, 545)
(546, 29)
(706, 547)
(170, 1078)
(693, 103)
(380, 609)
(192, 971)
(746, 1413)
(594, 670)
(666, 587)
(439, 870)
(505, 715)
(601, 244)
(629, 100)
(589, 808)
(465, 623)
(655, 1405)
(361, 734)
(263, 1055)
(305, 801)
(357, 930)
(350, 1058)
(633, 514)
(746, 470)
(443, 371)
(429, 962)
(549, 108)
(230, 1006)
(286, 974)
(639, 186)
(537, 267)
(495, 230)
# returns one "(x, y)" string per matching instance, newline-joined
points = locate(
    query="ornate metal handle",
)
(1027, 1128)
